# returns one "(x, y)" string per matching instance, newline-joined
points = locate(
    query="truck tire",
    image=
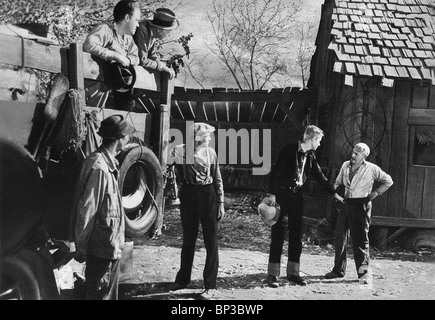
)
(141, 186)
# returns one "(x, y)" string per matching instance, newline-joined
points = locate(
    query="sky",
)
(192, 17)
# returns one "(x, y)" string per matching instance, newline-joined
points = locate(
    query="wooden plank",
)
(76, 79)
(424, 117)
(402, 222)
(428, 206)
(399, 143)
(420, 96)
(255, 96)
(16, 120)
(414, 191)
(31, 54)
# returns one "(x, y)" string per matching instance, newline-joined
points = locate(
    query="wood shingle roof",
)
(384, 38)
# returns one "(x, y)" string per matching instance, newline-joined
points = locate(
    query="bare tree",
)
(252, 39)
(306, 47)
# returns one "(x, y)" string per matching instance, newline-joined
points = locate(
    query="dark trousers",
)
(291, 206)
(199, 204)
(353, 218)
(102, 278)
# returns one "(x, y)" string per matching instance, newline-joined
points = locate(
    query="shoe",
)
(297, 280)
(333, 275)
(176, 286)
(208, 294)
(272, 281)
(365, 279)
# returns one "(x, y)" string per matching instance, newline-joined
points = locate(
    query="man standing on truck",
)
(147, 36)
(113, 42)
(99, 223)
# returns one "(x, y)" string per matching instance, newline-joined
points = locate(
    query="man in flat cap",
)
(97, 206)
(147, 36)
(201, 200)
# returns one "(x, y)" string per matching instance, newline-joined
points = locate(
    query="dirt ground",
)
(398, 274)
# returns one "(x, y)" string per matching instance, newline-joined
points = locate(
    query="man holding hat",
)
(201, 200)
(147, 36)
(295, 165)
(113, 47)
(99, 214)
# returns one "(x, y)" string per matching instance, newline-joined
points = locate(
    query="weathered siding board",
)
(428, 206)
(399, 146)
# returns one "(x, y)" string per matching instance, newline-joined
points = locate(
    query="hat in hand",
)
(268, 213)
(118, 77)
(115, 127)
(202, 130)
(164, 19)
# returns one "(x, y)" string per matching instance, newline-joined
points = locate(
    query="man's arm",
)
(92, 195)
(384, 179)
(97, 42)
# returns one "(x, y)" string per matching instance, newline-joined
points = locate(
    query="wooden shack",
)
(373, 74)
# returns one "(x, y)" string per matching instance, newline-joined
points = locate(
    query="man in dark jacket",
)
(147, 36)
(99, 224)
(296, 164)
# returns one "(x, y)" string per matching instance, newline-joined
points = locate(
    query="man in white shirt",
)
(357, 176)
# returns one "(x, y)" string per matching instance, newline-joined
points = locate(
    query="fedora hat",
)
(268, 213)
(115, 127)
(118, 77)
(164, 19)
(201, 130)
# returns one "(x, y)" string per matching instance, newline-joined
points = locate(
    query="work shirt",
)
(147, 45)
(104, 40)
(362, 182)
(100, 224)
(294, 167)
(203, 170)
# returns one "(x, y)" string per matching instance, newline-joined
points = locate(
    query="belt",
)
(293, 189)
(356, 200)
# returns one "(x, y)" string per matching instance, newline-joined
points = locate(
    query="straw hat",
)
(201, 130)
(268, 213)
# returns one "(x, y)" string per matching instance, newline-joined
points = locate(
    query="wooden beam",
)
(422, 117)
(402, 222)
(251, 96)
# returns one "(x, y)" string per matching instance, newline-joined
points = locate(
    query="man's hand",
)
(170, 71)
(221, 211)
(122, 60)
(372, 196)
(272, 199)
(338, 198)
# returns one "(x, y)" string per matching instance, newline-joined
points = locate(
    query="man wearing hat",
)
(112, 46)
(295, 165)
(201, 201)
(99, 214)
(147, 36)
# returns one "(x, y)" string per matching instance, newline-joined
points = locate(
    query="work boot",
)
(296, 280)
(333, 275)
(272, 281)
(208, 294)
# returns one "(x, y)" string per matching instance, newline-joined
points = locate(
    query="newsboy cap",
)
(201, 130)
(115, 127)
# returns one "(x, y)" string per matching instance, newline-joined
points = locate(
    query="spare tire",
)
(141, 186)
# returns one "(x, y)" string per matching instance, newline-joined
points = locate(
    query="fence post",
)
(75, 70)
(161, 134)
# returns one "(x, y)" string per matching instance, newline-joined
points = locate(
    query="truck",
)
(39, 168)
